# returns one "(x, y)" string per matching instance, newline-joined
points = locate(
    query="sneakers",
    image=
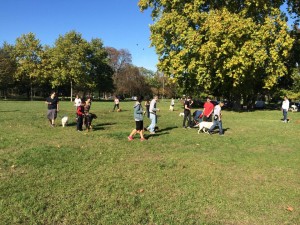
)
(130, 138)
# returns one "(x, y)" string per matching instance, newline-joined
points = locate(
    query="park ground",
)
(61, 176)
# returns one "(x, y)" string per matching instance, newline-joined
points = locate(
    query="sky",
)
(118, 23)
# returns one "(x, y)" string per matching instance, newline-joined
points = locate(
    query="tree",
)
(70, 63)
(101, 72)
(7, 68)
(27, 53)
(227, 48)
(119, 60)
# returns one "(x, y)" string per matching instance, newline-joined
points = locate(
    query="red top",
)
(208, 108)
(80, 110)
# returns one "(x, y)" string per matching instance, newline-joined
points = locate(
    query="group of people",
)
(211, 113)
(83, 115)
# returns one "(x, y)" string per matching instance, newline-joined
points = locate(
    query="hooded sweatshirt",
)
(138, 112)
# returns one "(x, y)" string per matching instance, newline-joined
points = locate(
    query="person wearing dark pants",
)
(80, 114)
(217, 119)
(187, 113)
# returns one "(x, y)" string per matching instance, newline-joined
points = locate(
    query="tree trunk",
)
(71, 97)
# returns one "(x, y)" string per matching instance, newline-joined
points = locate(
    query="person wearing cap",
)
(208, 110)
(187, 112)
(217, 119)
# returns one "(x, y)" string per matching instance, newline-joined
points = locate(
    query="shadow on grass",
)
(167, 128)
(100, 126)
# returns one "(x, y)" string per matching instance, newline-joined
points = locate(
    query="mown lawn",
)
(61, 176)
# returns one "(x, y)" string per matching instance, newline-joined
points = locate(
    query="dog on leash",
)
(204, 126)
(64, 121)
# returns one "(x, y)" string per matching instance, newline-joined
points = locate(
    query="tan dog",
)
(204, 126)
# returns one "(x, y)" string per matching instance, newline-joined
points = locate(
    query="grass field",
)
(61, 176)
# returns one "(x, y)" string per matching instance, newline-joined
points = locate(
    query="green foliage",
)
(69, 60)
(61, 176)
(225, 47)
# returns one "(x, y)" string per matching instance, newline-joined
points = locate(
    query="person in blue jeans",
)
(217, 119)
(153, 116)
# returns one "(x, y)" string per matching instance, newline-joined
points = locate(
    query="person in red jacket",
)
(208, 110)
(80, 113)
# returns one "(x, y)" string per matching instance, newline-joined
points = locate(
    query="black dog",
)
(88, 119)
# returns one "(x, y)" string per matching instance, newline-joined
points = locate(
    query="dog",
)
(119, 110)
(181, 114)
(64, 121)
(204, 126)
(171, 108)
(88, 120)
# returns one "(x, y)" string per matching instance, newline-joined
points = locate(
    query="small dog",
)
(119, 110)
(204, 126)
(64, 121)
(181, 114)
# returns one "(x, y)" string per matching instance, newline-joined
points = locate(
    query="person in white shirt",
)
(153, 116)
(117, 102)
(217, 119)
(285, 107)
(77, 101)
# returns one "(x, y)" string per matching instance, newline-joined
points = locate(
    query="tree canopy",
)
(228, 48)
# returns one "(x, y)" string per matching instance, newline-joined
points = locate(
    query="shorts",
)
(51, 114)
(139, 125)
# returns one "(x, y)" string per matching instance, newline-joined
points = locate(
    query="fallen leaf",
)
(289, 209)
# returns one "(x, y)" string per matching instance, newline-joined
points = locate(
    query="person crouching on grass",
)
(138, 117)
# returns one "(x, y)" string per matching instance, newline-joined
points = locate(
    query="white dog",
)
(204, 126)
(181, 114)
(64, 121)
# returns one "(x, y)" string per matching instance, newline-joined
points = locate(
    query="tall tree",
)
(7, 68)
(223, 47)
(101, 72)
(28, 51)
(119, 60)
(70, 62)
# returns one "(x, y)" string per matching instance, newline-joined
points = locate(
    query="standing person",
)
(52, 103)
(87, 116)
(117, 102)
(138, 117)
(217, 118)
(153, 116)
(187, 112)
(285, 107)
(80, 114)
(147, 105)
(208, 110)
(172, 104)
(77, 101)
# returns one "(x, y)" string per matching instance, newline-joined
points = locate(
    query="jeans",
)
(215, 123)
(151, 127)
(284, 114)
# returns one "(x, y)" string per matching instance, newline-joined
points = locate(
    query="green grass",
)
(61, 176)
